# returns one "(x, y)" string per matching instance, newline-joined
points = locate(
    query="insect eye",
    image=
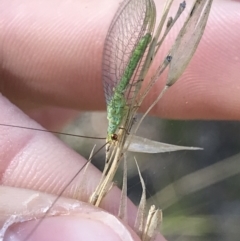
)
(114, 137)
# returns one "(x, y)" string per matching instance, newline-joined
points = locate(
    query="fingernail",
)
(98, 226)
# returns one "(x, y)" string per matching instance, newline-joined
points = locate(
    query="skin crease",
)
(52, 76)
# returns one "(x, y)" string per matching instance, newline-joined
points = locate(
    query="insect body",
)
(117, 108)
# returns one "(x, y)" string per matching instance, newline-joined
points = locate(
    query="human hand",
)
(61, 69)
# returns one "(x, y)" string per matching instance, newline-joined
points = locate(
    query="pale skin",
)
(51, 56)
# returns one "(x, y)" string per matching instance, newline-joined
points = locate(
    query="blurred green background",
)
(199, 191)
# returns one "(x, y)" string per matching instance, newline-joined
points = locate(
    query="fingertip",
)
(22, 214)
(74, 228)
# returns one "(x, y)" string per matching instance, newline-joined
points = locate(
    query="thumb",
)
(67, 220)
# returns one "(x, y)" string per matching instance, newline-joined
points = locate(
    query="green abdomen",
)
(116, 108)
(115, 114)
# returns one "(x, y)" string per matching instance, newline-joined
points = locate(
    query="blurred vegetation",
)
(197, 190)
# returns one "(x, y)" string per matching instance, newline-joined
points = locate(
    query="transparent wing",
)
(128, 27)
